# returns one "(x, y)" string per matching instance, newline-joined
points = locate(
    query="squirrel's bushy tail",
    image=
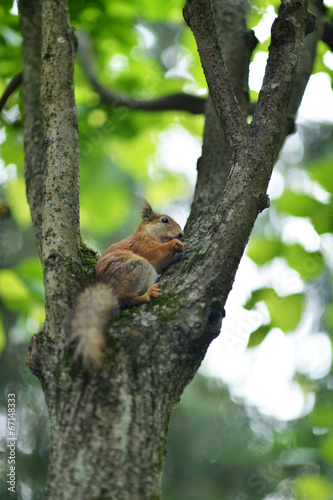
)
(92, 313)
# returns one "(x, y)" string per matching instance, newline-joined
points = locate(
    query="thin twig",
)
(14, 83)
(174, 102)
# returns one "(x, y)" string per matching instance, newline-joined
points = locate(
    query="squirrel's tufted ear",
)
(146, 212)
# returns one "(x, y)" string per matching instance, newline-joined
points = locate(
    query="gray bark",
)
(108, 429)
(237, 43)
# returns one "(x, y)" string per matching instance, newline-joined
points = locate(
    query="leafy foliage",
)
(315, 206)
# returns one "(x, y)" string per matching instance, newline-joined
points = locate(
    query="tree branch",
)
(213, 166)
(307, 58)
(199, 15)
(288, 31)
(14, 83)
(173, 102)
(223, 244)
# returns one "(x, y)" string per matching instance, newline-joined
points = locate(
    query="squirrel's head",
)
(161, 227)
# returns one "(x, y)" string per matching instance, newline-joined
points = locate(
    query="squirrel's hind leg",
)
(153, 291)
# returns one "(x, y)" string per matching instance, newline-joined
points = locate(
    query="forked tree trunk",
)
(108, 429)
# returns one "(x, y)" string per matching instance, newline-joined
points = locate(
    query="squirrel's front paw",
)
(179, 246)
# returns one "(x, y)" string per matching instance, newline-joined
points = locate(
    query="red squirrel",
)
(126, 275)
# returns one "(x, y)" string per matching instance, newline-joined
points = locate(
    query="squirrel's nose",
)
(180, 235)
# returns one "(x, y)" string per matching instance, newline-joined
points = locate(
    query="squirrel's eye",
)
(165, 220)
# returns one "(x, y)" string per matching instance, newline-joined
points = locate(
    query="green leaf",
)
(13, 291)
(30, 268)
(308, 264)
(322, 172)
(12, 148)
(322, 220)
(17, 200)
(319, 65)
(258, 336)
(285, 312)
(313, 487)
(261, 250)
(322, 416)
(297, 204)
(326, 448)
(31, 272)
(261, 294)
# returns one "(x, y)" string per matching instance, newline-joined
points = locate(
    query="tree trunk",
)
(108, 429)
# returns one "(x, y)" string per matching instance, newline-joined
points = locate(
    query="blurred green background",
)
(221, 444)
